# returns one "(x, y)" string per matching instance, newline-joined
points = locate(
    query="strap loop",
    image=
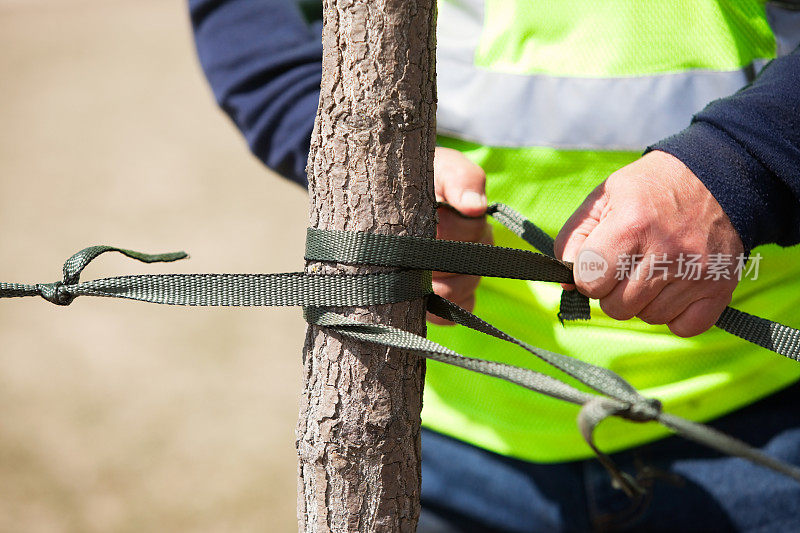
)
(75, 264)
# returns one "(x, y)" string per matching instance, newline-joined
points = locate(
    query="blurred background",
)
(120, 416)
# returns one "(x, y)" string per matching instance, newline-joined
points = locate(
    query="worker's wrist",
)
(744, 189)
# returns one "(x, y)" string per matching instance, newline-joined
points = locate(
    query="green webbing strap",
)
(622, 401)
(457, 257)
(74, 265)
(289, 289)
(598, 378)
(522, 228)
(771, 335)
(766, 333)
(477, 259)
(357, 248)
(315, 292)
(574, 305)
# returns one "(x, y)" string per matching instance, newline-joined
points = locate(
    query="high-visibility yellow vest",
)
(550, 97)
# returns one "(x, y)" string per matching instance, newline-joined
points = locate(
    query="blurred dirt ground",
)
(121, 416)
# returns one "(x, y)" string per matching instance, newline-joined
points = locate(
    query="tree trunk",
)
(370, 169)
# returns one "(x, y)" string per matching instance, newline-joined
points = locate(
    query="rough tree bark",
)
(370, 169)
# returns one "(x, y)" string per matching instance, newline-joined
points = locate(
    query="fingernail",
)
(473, 199)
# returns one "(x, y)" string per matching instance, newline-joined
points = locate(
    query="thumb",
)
(459, 182)
(578, 227)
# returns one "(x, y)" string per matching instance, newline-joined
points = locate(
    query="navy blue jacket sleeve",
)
(746, 150)
(263, 59)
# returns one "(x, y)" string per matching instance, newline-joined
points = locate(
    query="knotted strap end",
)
(56, 293)
(65, 291)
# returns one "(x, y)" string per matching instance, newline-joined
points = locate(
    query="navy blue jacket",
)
(263, 59)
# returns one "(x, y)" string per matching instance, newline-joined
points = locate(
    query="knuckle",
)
(624, 237)
(596, 289)
(637, 217)
(614, 308)
(688, 328)
(653, 318)
(682, 329)
(692, 242)
(719, 290)
(591, 290)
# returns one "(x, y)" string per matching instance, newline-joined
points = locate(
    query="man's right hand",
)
(462, 184)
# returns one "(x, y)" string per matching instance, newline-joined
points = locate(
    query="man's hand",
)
(462, 184)
(652, 207)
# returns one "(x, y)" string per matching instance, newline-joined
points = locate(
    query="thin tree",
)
(370, 169)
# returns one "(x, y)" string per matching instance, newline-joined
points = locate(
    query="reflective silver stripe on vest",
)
(512, 110)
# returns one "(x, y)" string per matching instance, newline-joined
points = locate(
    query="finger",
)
(575, 230)
(456, 288)
(670, 302)
(628, 298)
(598, 260)
(635, 291)
(579, 225)
(698, 317)
(459, 182)
(457, 228)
